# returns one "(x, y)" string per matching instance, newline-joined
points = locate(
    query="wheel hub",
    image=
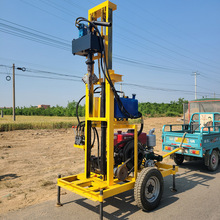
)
(213, 159)
(152, 189)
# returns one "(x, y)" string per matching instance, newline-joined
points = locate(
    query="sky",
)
(157, 46)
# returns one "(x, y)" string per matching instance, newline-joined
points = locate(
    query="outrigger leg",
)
(58, 194)
(173, 189)
(101, 205)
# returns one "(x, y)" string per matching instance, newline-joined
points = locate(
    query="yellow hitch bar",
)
(177, 149)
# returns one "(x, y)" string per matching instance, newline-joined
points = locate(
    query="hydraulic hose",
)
(77, 105)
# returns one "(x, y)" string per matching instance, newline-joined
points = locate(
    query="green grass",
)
(36, 122)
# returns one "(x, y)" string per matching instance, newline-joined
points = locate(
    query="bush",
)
(162, 109)
(172, 114)
(70, 110)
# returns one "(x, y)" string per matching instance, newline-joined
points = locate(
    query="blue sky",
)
(157, 45)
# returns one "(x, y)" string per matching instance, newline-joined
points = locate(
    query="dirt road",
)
(31, 159)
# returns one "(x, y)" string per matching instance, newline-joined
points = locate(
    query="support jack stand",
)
(59, 204)
(101, 205)
(173, 188)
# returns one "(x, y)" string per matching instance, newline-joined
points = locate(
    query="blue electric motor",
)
(130, 104)
(82, 30)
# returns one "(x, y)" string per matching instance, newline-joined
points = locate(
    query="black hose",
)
(93, 142)
(77, 105)
(81, 124)
(97, 136)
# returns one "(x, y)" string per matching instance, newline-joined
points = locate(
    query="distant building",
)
(43, 106)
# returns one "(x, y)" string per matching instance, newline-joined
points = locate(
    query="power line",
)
(42, 77)
(53, 73)
(129, 61)
(48, 12)
(162, 89)
(63, 9)
(205, 89)
(209, 78)
(33, 36)
(140, 27)
(144, 49)
(58, 7)
(44, 72)
(76, 5)
(161, 46)
(50, 40)
(56, 43)
(126, 84)
(31, 29)
(136, 62)
(33, 39)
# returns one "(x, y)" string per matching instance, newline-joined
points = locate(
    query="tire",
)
(213, 161)
(178, 159)
(148, 188)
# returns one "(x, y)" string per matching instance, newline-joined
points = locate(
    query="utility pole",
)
(13, 92)
(195, 74)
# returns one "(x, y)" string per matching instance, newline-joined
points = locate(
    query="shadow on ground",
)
(9, 176)
(124, 205)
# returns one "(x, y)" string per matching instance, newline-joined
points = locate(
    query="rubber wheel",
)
(178, 159)
(148, 188)
(213, 162)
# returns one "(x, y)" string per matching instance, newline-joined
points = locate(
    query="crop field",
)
(40, 122)
(36, 122)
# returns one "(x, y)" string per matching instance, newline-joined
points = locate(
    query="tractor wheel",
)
(178, 159)
(148, 188)
(213, 162)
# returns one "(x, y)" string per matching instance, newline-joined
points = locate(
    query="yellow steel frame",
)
(90, 187)
(166, 169)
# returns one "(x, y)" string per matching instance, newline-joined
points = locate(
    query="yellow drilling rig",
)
(121, 160)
